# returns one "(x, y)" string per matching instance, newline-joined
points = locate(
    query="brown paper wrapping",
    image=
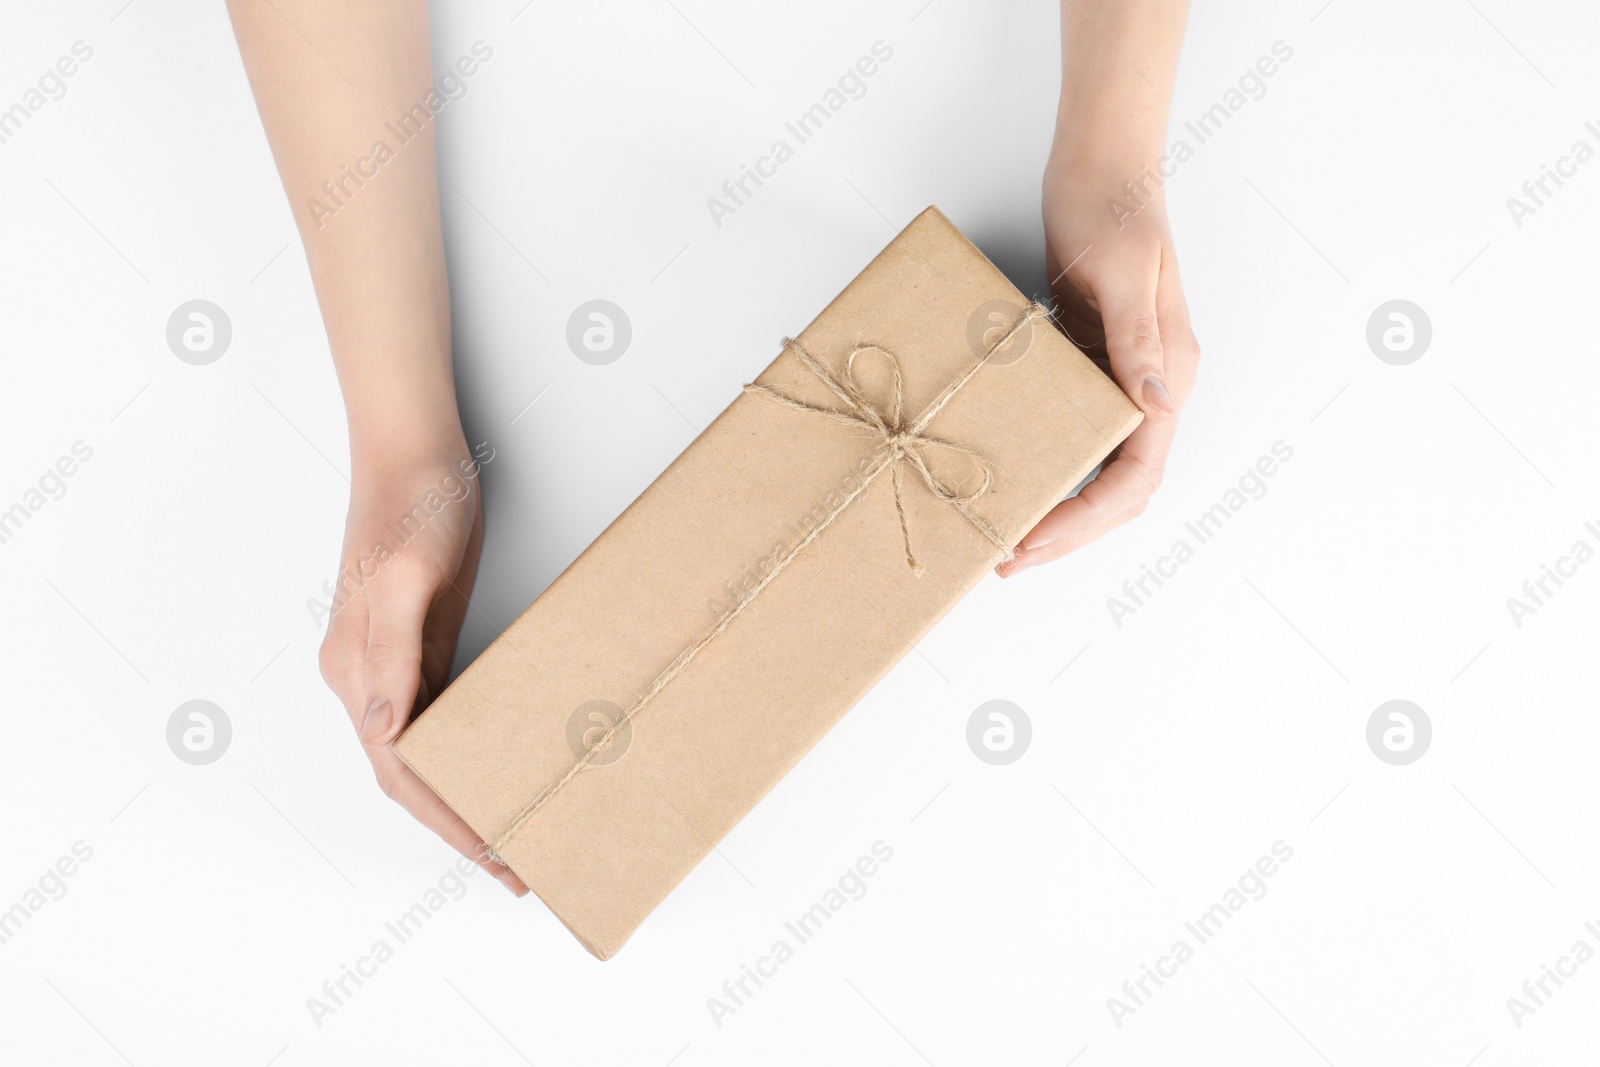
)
(604, 850)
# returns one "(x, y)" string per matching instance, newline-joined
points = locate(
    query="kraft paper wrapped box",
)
(766, 581)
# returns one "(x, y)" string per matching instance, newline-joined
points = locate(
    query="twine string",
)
(902, 444)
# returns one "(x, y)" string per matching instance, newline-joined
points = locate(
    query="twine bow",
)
(903, 444)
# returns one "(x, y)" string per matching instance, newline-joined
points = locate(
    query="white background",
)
(1227, 714)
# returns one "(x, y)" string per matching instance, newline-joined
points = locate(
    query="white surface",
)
(1228, 714)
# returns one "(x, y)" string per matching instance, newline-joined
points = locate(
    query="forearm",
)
(370, 227)
(1119, 59)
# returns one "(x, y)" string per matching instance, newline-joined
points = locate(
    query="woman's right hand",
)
(411, 545)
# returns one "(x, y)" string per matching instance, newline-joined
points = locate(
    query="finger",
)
(1133, 338)
(1081, 529)
(1054, 550)
(424, 691)
(1078, 319)
(342, 656)
(1179, 348)
(401, 784)
(1119, 493)
(442, 630)
(1121, 484)
(393, 662)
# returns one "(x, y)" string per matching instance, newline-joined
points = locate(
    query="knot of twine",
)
(902, 444)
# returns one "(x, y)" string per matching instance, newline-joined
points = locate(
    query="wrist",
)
(400, 403)
(399, 437)
(1093, 138)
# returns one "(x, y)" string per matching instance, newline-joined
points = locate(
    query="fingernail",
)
(1156, 395)
(509, 880)
(380, 717)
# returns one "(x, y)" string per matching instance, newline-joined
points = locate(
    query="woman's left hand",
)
(1115, 279)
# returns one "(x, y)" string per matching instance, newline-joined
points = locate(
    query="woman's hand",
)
(411, 545)
(1119, 298)
(1112, 266)
(379, 269)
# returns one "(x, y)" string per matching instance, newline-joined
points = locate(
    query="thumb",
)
(1133, 341)
(393, 665)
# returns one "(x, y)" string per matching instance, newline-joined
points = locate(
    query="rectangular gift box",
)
(766, 581)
